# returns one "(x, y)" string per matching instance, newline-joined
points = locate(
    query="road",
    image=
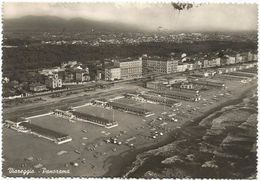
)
(83, 87)
(58, 103)
(81, 97)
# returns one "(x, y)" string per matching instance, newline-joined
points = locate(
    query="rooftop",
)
(160, 98)
(17, 120)
(158, 58)
(91, 117)
(111, 66)
(155, 82)
(128, 59)
(43, 131)
(80, 70)
(178, 93)
(131, 108)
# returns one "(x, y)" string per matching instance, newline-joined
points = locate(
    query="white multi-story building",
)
(231, 60)
(50, 71)
(112, 73)
(250, 56)
(214, 62)
(53, 81)
(239, 58)
(159, 65)
(130, 68)
(205, 63)
(182, 67)
(190, 66)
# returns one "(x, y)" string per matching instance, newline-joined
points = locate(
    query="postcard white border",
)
(129, 1)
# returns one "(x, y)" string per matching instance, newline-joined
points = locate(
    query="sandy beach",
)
(119, 163)
(109, 160)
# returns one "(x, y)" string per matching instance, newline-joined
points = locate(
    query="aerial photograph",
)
(129, 90)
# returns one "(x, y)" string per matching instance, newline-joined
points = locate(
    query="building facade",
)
(205, 63)
(69, 76)
(231, 60)
(239, 58)
(250, 56)
(182, 67)
(53, 81)
(159, 65)
(112, 73)
(130, 68)
(214, 62)
(81, 76)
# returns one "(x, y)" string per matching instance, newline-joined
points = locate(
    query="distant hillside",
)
(53, 23)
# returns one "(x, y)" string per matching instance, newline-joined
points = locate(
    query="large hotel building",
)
(159, 65)
(130, 68)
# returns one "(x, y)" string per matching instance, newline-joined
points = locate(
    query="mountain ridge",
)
(54, 23)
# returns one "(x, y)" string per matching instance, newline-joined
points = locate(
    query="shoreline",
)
(118, 163)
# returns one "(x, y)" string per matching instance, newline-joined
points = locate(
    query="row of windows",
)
(131, 64)
(131, 70)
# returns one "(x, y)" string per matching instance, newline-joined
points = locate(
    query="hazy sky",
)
(215, 17)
